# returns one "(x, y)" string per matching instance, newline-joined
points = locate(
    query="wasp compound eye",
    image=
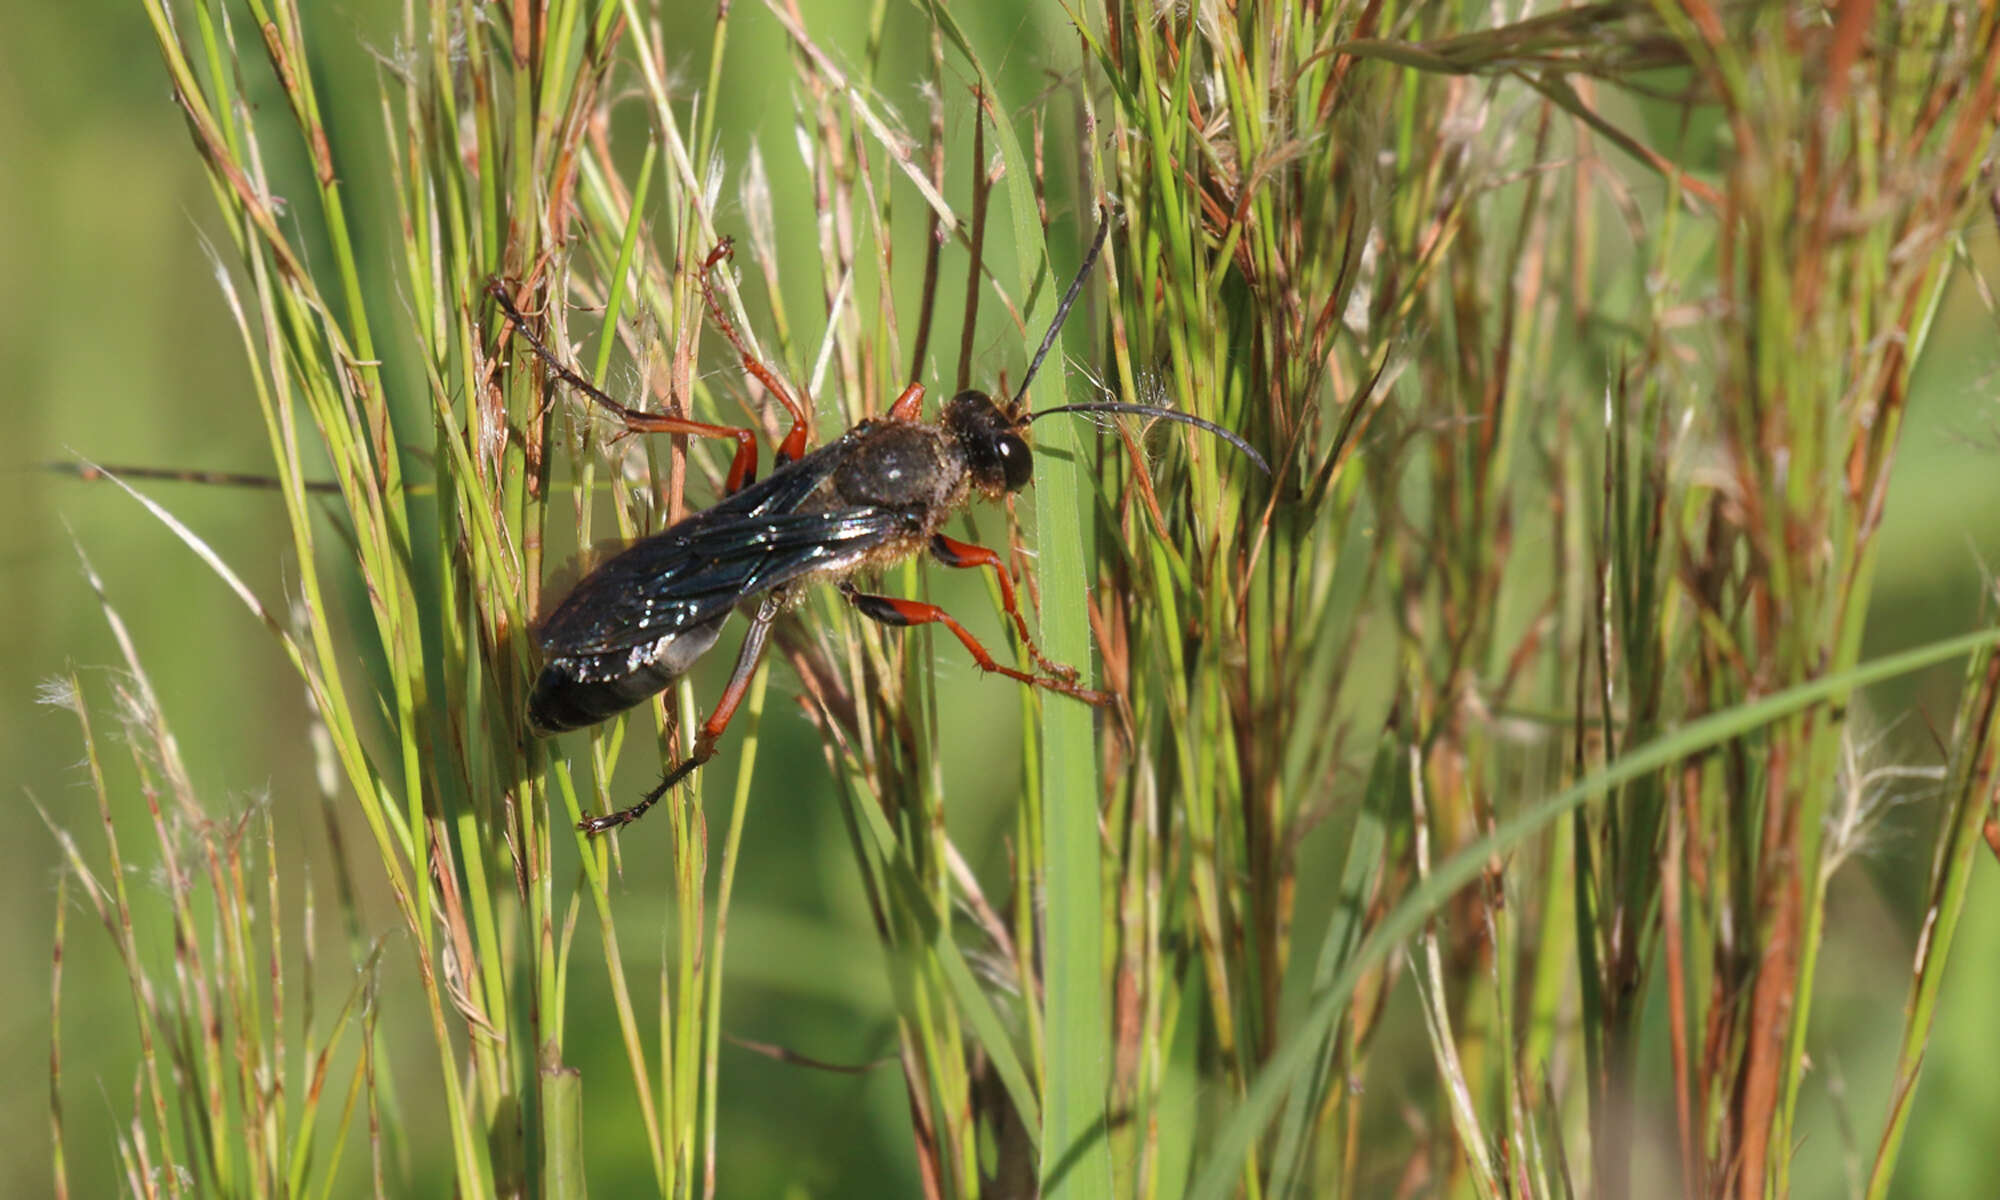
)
(1017, 461)
(997, 457)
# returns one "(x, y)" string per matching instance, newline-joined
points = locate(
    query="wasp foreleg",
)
(954, 553)
(891, 611)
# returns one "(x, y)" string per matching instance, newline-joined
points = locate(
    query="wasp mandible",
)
(878, 494)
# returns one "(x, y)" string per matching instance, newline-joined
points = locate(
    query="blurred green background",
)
(117, 346)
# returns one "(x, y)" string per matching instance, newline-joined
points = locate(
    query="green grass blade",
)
(1290, 1064)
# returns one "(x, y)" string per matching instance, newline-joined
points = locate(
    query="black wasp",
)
(877, 494)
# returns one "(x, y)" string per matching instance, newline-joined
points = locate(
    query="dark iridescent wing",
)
(694, 571)
(787, 489)
(699, 570)
(641, 620)
(643, 617)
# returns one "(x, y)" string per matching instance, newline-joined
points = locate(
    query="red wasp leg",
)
(954, 553)
(910, 405)
(891, 611)
(711, 729)
(793, 447)
(741, 468)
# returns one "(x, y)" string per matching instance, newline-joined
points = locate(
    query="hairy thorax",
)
(903, 465)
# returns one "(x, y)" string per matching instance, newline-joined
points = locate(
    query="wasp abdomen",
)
(578, 690)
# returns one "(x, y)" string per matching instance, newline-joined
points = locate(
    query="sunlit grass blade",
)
(1289, 1065)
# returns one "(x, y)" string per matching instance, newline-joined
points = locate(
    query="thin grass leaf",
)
(1291, 1062)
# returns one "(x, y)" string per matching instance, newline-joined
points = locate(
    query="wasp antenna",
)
(1165, 414)
(1062, 310)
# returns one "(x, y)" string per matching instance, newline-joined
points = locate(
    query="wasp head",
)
(996, 454)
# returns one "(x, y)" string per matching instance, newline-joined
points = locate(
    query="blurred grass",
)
(120, 348)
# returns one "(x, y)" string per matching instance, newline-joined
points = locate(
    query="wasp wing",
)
(645, 615)
(696, 572)
(641, 620)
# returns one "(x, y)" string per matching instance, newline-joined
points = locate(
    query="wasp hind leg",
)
(891, 611)
(711, 729)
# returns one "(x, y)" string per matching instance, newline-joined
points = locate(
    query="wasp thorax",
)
(995, 452)
(899, 465)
